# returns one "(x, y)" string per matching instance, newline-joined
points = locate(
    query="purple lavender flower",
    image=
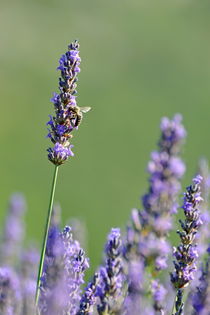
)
(28, 272)
(29, 262)
(186, 253)
(14, 230)
(201, 297)
(56, 215)
(10, 297)
(203, 234)
(28, 288)
(63, 274)
(159, 294)
(89, 297)
(59, 154)
(110, 288)
(166, 170)
(68, 115)
(146, 235)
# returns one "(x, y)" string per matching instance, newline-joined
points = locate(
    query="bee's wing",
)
(85, 109)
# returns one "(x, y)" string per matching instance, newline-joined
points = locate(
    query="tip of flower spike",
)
(175, 125)
(74, 45)
(197, 180)
(115, 232)
(59, 154)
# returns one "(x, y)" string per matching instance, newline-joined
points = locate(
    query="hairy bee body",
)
(77, 114)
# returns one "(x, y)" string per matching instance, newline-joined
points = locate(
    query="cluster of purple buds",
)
(146, 235)
(186, 253)
(159, 294)
(110, 288)
(63, 275)
(29, 267)
(13, 230)
(68, 115)
(10, 297)
(104, 294)
(201, 297)
(204, 231)
(146, 242)
(165, 169)
(152, 224)
(89, 297)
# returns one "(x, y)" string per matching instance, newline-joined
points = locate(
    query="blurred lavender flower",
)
(159, 294)
(63, 274)
(146, 243)
(28, 272)
(186, 253)
(201, 298)
(203, 234)
(10, 296)
(165, 169)
(14, 230)
(106, 291)
(68, 115)
(110, 288)
(56, 215)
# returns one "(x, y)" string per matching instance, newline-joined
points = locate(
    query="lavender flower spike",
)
(88, 299)
(159, 294)
(110, 289)
(186, 253)
(14, 230)
(63, 275)
(68, 115)
(10, 297)
(201, 298)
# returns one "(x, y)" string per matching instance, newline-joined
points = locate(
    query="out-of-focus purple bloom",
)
(14, 230)
(203, 235)
(173, 132)
(10, 296)
(110, 288)
(56, 215)
(201, 297)
(28, 275)
(166, 170)
(67, 114)
(138, 283)
(29, 262)
(146, 236)
(28, 288)
(63, 274)
(159, 294)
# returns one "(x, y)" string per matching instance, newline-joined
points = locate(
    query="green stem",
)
(41, 264)
(178, 303)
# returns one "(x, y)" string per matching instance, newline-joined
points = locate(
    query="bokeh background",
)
(141, 60)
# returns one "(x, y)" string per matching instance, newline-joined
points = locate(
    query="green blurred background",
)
(141, 60)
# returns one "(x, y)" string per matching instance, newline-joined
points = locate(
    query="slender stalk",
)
(178, 303)
(41, 264)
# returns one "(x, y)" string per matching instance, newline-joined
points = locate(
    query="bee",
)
(77, 114)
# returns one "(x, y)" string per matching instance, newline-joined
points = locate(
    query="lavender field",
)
(124, 117)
